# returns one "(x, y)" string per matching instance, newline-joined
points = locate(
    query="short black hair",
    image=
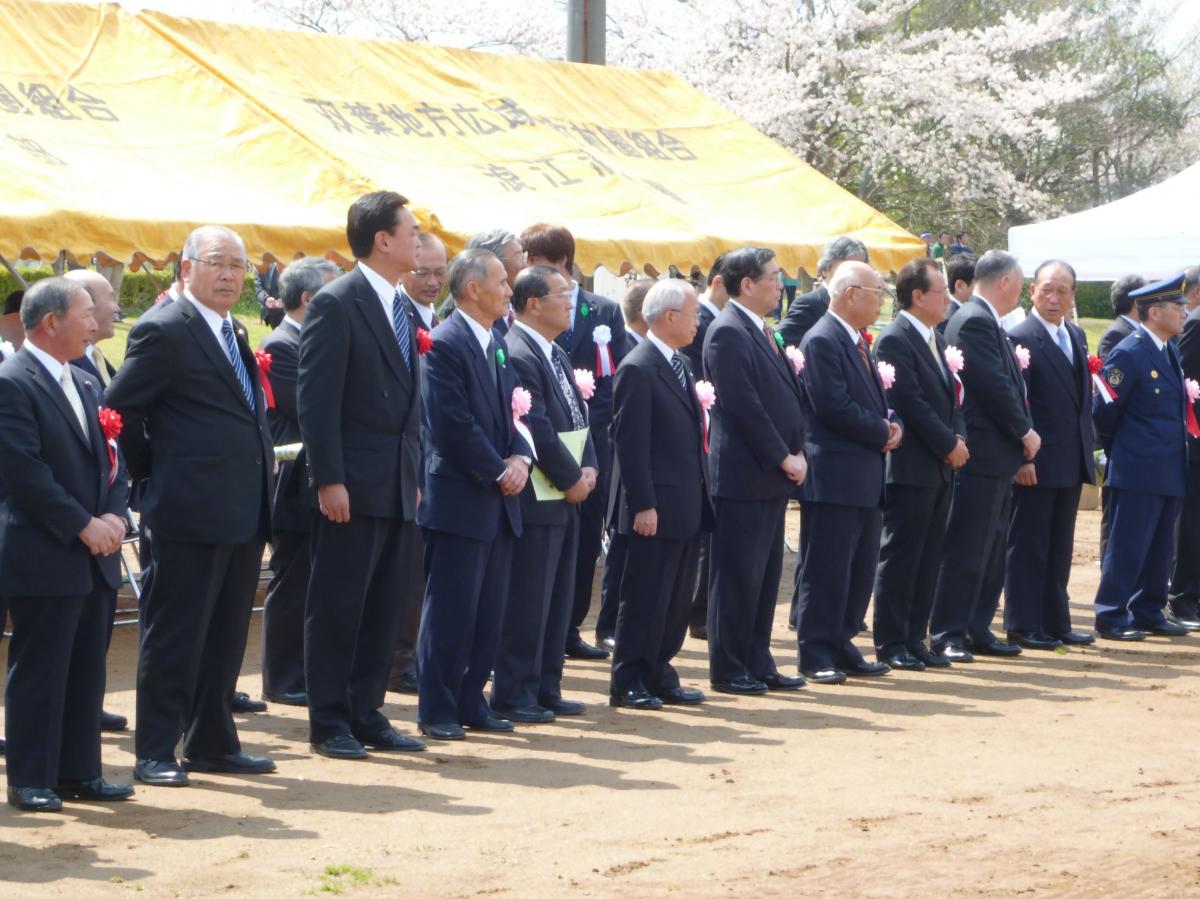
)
(370, 214)
(13, 303)
(715, 271)
(914, 276)
(531, 284)
(1118, 294)
(1037, 271)
(960, 235)
(960, 268)
(746, 262)
(49, 295)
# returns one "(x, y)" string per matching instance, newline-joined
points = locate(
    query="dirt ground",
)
(1054, 773)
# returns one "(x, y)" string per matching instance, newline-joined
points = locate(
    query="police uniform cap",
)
(1168, 290)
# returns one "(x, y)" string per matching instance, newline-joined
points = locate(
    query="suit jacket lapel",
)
(216, 353)
(921, 351)
(42, 378)
(91, 414)
(548, 373)
(367, 301)
(870, 378)
(479, 366)
(759, 339)
(667, 373)
(1059, 363)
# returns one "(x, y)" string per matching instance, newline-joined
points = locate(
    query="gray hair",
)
(994, 265)
(469, 265)
(47, 295)
(492, 241)
(305, 275)
(191, 246)
(664, 296)
(841, 248)
(843, 279)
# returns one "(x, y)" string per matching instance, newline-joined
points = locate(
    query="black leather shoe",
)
(405, 682)
(112, 722)
(1076, 638)
(636, 698)
(390, 740)
(1124, 634)
(297, 698)
(929, 659)
(956, 652)
(994, 647)
(826, 676)
(97, 790)
(577, 649)
(230, 763)
(681, 696)
(742, 685)
(527, 714)
(34, 799)
(442, 731)
(341, 746)
(609, 643)
(491, 723)
(866, 669)
(244, 704)
(902, 661)
(1033, 640)
(158, 773)
(563, 708)
(1167, 628)
(699, 632)
(1191, 622)
(777, 681)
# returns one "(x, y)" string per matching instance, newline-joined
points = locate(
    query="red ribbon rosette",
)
(1105, 393)
(424, 342)
(868, 337)
(264, 366)
(110, 427)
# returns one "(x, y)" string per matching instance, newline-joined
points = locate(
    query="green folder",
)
(574, 441)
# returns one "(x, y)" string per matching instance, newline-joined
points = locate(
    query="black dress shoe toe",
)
(1076, 638)
(244, 704)
(929, 659)
(562, 708)
(742, 685)
(96, 790)
(902, 661)
(527, 714)
(1124, 634)
(405, 682)
(34, 799)
(491, 723)
(956, 652)
(299, 697)
(681, 696)
(390, 740)
(637, 698)
(995, 647)
(1165, 628)
(826, 676)
(698, 632)
(866, 669)
(230, 763)
(112, 722)
(443, 731)
(777, 681)
(1033, 640)
(158, 773)
(341, 746)
(577, 649)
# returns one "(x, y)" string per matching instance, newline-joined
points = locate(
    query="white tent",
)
(1153, 233)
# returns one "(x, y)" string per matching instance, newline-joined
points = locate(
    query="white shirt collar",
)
(425, 313)
(542, 343)
(90, 352)
(855, 336)
(212, 318)
(288, 320)
(708, 304)
(1051, 329)
(637, 338)
(1161, 344)
(662, 347)
(51, 364)
(921, 327)
(754, 316)
(1133, 321)
(386, 292)
(992, 309)
(482, 334)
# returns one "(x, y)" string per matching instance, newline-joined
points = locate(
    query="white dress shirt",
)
(482, 334)
(754, 316)
(1052, 330)
(662, 347)
(542, 343)
(855, 335)
(386, 292)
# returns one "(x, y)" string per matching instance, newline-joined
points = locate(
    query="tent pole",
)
(12, 271)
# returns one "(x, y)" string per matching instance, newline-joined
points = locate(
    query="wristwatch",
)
(528, 461)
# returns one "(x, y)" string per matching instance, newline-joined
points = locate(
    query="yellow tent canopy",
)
(121, 132)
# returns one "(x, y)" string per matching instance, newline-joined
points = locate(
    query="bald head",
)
(856, 294)
(103, 295)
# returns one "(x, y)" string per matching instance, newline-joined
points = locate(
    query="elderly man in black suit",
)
(291, 511)
(804, 311)
(596, 342)
(660, 439)
(757, 442)
(476, 465)
(1041, 537)
(63, 497)
(848, 433)
(358, 396)
(1001, 435)
(920, 472)
(527, 684)
(196, 428)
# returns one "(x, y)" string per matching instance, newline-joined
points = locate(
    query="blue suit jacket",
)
(468, 434)
(1143, 430)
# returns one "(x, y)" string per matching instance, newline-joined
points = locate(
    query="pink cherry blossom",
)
(1193, 389)
(586, 382)
(887, 374)
(706, 395)
(796, 358)
(522, 402)
(954, 359)
(1022, 355)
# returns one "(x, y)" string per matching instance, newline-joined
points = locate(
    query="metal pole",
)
(585, 31)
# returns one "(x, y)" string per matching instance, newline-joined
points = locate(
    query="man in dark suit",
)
(1001, 436)
(1185, 578)
(196, 428)
(358, 396)
(63, 497)
(527, 684)
(476, 465)
(804, 311)
(660, 440)
(1124, 317)
(267, 290)
(1041, 538)
(1141, 418)
(757, 441)
(960, 282)
(847, 434)
(920, 472)
(291, 510)
(596, 342)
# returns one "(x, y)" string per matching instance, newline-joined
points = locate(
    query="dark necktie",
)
(564, 383)
(400, 326)
(677, 365)
(235, 359)
(434, 321)
(770, 332)
(862, 351)
(491, 362)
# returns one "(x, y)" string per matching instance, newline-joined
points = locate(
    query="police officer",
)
(1141, 412)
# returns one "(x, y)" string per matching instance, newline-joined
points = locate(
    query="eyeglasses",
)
(424, 274)
(882, 291)
(240, 267)
(514, 257)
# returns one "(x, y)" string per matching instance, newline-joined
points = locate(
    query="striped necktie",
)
(235, 359)
(400, 326)
(680, 373)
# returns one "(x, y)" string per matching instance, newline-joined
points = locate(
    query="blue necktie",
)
(400, 326)
(235, 359)
(1064, 343)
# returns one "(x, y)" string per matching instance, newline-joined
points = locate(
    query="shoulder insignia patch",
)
(1115, 377)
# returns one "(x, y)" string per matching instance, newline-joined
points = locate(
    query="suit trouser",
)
(972, 573)
(593, 513)
(838, 560)
(910, 551)
(537, 563)
(354, 598)
(610, 584)
(193, 621)
(55, 688)
(404, 657)
(1133, 574)
(1185, 578)
(747, 561)
(656, 599)
(699, 612)
(1041, 543)
(1105, 518)
(283, 614)
(460, 624)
